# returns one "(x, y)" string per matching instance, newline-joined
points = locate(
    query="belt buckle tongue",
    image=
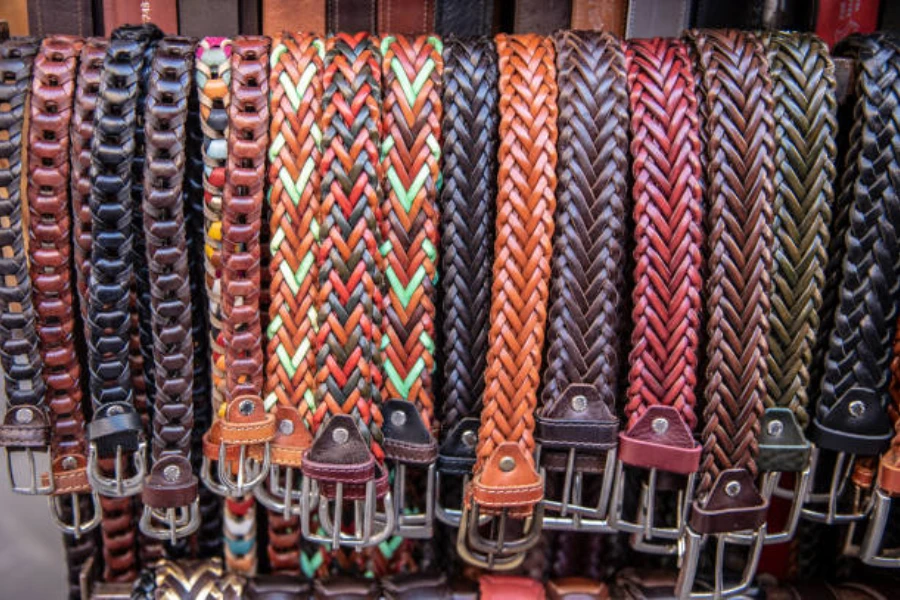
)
(508, 487)
(856, 426)
(171, 505)
(659, 442)
(339, 466)
(70, 480)
(871, 550)
(732, 505)
(782, 449)
(282, 492)
(240, 447)
(456, 459)
(116, 430)
(25, 433)
(408, 444)
(579, 424)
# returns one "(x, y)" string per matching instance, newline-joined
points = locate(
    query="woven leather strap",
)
(469, 172)
(850, 415)
(25, 422)
(737, 107)
(294, 197)
(410, 162)
(348, 360)
(805, 128)
(668, 229)
(581, 378)
(167, 258)
(521, 284)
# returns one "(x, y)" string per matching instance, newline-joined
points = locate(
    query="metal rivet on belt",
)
(24, 416)
(398, 418)
(775, 428)
(69, 463)
(286, 427)
(469, 438)
(114, 410)
(579, 403)
(340, 435)
(660, 425)
(246, 407)
(172, 473)
(507, 464)
(732, 488)
(857, 408)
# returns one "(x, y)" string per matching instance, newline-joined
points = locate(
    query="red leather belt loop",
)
(506, 483)
(410, 17)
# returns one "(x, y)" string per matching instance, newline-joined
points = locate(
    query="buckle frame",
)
(36, 487)
(871, 551)
(588, 519)
(838, 487)
(281, 497)
(171, 523)
(693, 543)
(74, 526)
(496, 554)
(413, 525)
(118, 486)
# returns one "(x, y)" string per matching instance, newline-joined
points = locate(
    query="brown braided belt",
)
(171, 508)
(505, 482)
(668, 217)
(737, 109)
(577, 426)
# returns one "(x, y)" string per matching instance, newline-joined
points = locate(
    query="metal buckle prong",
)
(170, 523)
(75, 525)
(118, 486)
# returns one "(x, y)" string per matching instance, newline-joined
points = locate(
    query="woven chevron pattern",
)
(200, 579)
(583, 335)
(860, 343)
(348, 354)
(737, 91)
(469, 170)
(410, 160)
(805, 128)
(525, 203)
(668, 228)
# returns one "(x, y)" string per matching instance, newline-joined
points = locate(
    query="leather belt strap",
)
(541, 16)
(26, 424)
(583, 348)
(507, 587)
(410, 17)
(805, 129)
(600, 15)
(469, 174)
(850, 415)
(351, 16)
(411, 121)
(295, 185)
(505, 479)
(577, 588)
(464, 18)
(171, 485)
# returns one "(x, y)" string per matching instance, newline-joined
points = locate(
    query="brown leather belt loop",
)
(411, 122)
(25, 428)
(409, 17)
(666, 298)
(737, 105)
(577, 425)
(505, 482)
(170, 494)
(295, 150)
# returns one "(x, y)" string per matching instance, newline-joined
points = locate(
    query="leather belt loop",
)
(170, 494)
(733, 80)
(509, 587)
(295, 150)
(410, 165)
(346, 459)
(53, 93)
(25, 429)
(804, 89)
(351, 16)
(851, 423)
(577, 425)
(666, 298)
(467, 19)
(506, 483)
(409, 17)
(469, 174)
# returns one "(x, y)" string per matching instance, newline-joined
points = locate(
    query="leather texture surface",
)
(307, 16)
(351, 16)
(465, 18)
(54, 17)
(605, 15)
(410, 17)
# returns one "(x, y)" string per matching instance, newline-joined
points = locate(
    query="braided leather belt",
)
(668, 217)
(577, 425)
(737, 111)
(116, 428)
(411, 121)
(469, 174)
(24, 433)
(505, 481)
(805, 128)
(171, 508)
(851, 424)
(51, 265)
(294, 179)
